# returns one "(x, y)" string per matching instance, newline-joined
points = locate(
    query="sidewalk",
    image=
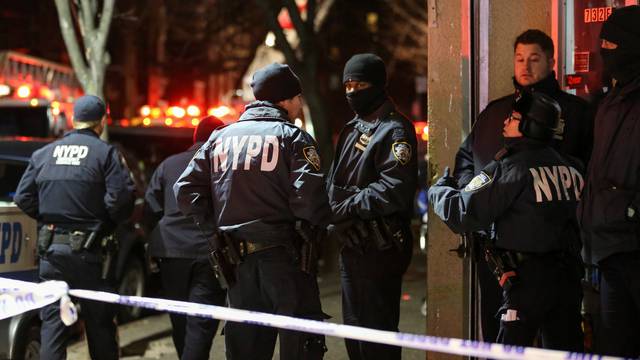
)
(150, 338)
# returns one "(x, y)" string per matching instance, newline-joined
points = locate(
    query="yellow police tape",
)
(414, 341)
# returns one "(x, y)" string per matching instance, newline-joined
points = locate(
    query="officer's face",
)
(293, 106)
(511, 124)
(531, 64)
(606, 44)
(352, 86)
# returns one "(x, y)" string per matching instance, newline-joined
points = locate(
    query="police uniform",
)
(530, 192)
(374, 177)
(253, 180)
(485, 140)
(77, 184)
(181, 249)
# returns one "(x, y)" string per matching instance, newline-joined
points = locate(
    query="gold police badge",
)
(401, 151)
(481, 180)
(311, 154)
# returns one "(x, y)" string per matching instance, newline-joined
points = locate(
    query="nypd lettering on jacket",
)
(70, 154)
(243, 152)
(556, 183)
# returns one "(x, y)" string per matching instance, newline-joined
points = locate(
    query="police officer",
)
(533, 62)
(78, 188)
(530, 192)
(181, 251)
(258, 182)
(609, 212)
(371, 186)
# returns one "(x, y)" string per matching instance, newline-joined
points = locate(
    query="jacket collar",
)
(632, 86)
(514, 145)
(83, 132)
(548, 85)
(195, 146)
(370, 122)
(264, 110)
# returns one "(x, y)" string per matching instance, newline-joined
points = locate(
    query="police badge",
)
(311, 154)
(401, 151)
(481, 180)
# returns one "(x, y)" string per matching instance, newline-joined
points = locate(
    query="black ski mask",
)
(366, 101)
(621, 28)
(371, 69)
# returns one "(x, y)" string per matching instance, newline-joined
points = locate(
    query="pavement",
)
(150, 337)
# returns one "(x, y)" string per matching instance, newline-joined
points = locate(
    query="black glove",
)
(348, 233)
(446, 180)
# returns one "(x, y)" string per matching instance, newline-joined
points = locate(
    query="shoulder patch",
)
(401, 151)
(312, 157)
(481, 180)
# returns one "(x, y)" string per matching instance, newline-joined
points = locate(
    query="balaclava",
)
(622, 28)
(367, 68)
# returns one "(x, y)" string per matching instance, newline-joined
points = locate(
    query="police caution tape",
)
(414, 341)
(17, 297)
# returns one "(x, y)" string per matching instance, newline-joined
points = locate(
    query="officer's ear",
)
(99, 129)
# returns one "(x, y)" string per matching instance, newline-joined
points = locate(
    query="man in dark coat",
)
(533, 72)
(609, 211)
(180, 248)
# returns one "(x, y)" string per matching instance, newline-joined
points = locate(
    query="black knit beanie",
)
(274, 83)
(367, 68)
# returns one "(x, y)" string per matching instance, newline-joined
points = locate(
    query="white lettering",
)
(253, 150)
(578, 182)
(270, 141)
(237, 149)
(540, 184)
(70, 154)
(553, 176)
(220, 155)
(565, 176)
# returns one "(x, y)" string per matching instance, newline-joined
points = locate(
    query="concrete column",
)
(449, 114)
(448, 110)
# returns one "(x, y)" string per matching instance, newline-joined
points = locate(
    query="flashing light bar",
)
(24, 91)
(5, 90)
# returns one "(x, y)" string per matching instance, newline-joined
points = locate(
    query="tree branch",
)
(321, 14)
(86, 18)
(272, 21)
(71, 41)
(298, 24)
(105, 23)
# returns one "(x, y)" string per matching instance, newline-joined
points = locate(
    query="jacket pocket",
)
(610, 206)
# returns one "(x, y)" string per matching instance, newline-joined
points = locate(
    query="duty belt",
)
(246, 247)
(65, 238)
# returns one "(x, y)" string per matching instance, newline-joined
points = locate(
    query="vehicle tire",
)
(132, 283)
(28, 344)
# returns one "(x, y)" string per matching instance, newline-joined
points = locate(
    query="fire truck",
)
(36, 96)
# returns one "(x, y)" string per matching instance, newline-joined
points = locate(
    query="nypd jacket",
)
(485, 139)
(374, 173)
(77, 183)
(261, 169)
(613, 180)
(531, 194)
(174, 235)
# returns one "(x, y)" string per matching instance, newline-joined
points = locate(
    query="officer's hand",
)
(447, 180)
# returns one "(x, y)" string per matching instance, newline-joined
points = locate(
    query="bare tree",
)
(304, 58)
(85, 29)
